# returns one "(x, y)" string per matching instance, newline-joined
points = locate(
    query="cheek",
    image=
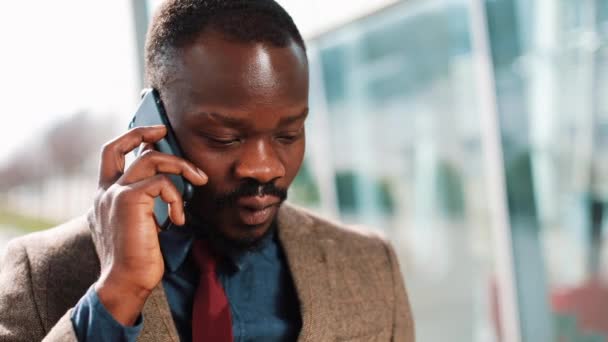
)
(215, 165)
(217, 169)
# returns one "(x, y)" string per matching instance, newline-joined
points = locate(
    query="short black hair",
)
(178, 23)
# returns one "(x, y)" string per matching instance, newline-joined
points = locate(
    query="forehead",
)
(217, 72)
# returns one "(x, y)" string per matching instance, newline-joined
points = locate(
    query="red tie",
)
(211, 313)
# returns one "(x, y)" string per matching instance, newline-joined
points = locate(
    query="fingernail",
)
(200, 172)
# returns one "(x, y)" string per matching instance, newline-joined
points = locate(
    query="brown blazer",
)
(349, 284)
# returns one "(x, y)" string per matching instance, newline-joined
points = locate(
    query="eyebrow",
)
(239, 123)
(291, 119)
(226, 120)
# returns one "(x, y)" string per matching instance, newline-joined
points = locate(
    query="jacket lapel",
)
(307, 258)
(158, 322)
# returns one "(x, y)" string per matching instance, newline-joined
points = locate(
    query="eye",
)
(288, 138)
(221, 142)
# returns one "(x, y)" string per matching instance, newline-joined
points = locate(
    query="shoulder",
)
(67, 242)
(52, 268)
(358, 272)
(355, 241)
(56, 256)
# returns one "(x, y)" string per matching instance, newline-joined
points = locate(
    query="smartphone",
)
(152, 112)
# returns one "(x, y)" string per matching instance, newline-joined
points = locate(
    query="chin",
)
(241, 237)
(242, 231)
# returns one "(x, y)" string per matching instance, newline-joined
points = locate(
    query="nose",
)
(259, 161)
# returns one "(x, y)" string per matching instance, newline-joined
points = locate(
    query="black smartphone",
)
(152, 112)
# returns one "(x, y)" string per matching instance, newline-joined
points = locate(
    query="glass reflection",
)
(550, 71)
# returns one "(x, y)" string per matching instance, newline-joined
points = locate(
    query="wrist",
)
(123, 301)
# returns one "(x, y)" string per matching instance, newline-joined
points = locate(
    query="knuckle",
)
(99, 196)
(168, 187)
(148, 154)
(121, 194)
(187, 165)
(165, 181)
(107, 147)
(181, 165)
(104, 200)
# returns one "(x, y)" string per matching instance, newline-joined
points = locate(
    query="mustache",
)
(250, 188)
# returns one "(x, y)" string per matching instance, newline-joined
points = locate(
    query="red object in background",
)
(588, 303)
(495, 307)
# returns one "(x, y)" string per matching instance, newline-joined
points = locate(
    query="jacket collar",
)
(307, 256)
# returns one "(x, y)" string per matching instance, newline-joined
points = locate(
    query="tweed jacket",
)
(348, 284)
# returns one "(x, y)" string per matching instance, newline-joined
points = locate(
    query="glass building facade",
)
(395, 134)
(399, 104)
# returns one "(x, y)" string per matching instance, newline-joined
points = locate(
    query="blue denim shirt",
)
(263, 302)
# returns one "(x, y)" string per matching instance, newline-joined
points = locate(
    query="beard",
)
(221, 242)
(225, 245)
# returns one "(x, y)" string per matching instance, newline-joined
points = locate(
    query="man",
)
(242, 266)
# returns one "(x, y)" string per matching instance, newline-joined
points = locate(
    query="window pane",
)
(405, 150)
(551, 74)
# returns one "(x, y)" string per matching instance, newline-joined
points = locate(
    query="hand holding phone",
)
(151, 112)
(123, 221)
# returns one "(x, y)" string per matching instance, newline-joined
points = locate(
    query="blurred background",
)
(472, 133)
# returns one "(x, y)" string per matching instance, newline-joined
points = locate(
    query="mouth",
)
(257, 210)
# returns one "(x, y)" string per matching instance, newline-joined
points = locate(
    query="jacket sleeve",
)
(20, 318)
(403, 323)
(63, 330)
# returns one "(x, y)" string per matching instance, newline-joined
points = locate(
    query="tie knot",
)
(204, 259)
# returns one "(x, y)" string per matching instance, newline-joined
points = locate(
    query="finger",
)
(152, 162)
(113, 153)
(161, 185)
(145, 147)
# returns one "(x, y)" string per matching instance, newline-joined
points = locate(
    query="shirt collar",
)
(266, 248)
(175, 245)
